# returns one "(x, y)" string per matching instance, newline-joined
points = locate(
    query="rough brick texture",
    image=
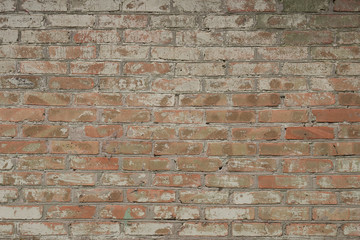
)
(179, 119)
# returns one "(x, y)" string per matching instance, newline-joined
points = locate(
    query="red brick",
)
(282, 84)
(349, 99)
(126, 115)
(230, 116)
(150, 195)
(255, 100)
(280, 149)
(98, 99)
(100, 195)
(20, 178)
(204, 196)
(309, 99)
(349, 131)
(307, 165)
(311, 197)
(25, 147)
(230, 149)
(146, 164)
(72, 115)
(205, 133)
(178, 116)
(40, 162)
(47, 99)
(71, 212)
(177, 180)
(309, 133)
(256, 229)
(228, 181)
(8, 98)
(147, 99)
(279, 116)
(337, 115)
(284, 213)
(301, 229)
(74, 147)
(96, 36)
(336, 149)
(38, 67)
(338, 181)
(45, 131)
(124, 179)
(283, 181)
(197, 164)
(47, 195)
(122, 212)
(8, 130)
(71, 83)
(258, 133)
(178, 148)
(102, 131)
(336, 214)
(127, 147)
(22, 114)
(70, 179)
(155, 132)
(94, 163)
(199, 100)
(251, 165)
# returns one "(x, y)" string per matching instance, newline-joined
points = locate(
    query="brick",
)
(148, 228)
(47, 99)
(148, 99)
(127, 147)
(146, 6)
(72, 115)
(74, 147)
(96, 36)
(8, 130)
(197, 100)
(311, 197)
(336, 214)
(7, 66)
(305, 6)
(204, 229)
(122, 21)
(256, 229)
(20, 212)
(173, 21)
(8, 195)
(176, 212)
(150, 195)
(283, 181)
(203, 196)
(7, 228)
(124, 179)
(230, 116)
(284, 213)
(258, 100)
(349, 99)
(70, 179)
(102, 68)
(251, 38)
(52, 5)
(146, 164)
(228, 181)
(199, 38)
(338, 84)
(43, 67)
(102, 131)
(305, 38)
(314, 68)
(258, 68)
(230, 53)
(65, 20)
(338, 181)
(6, 163)
(153, 37)
(335, 53)
(307, 165)
(299, 229)
(123, 52)
(197, 5)
(309, 99)
(198, 133)
(349, 131)
(72, 52)
(38, 228)
(178, 116)
(7, 5)
(176, 85)
(175, 53)
(20, 178)
(147, 68)
(8, 36)
(177, 180)
(47, 195)
(94, 163)
(200, 69)
(234, 6)
(98, 99)
(198, 164)
(45, 131)
(346, 6)
(177, 148)
(151, 132)
(282, 53)
(350, 197)
(347, 69)
(336, 115)
(95, 228)
(239, 21)
(351, 229)
(20, 82)
(349, 37)
(100, 195)
(336, 149)
(122, 212)
(309, 133)
(71, 212)
(273, 116)
(229, 84)
(21, 51)
(251, 165)
(297, 21)
(21, 114)
(259, 133)
(230, 149)
(258, 197)
(21, 21)
(71, 83)
(40, 162)
(28, 147)
(334, 21)
(89, 5)
(45, 36)
(279, 149)
(126, 115)
(120, 84)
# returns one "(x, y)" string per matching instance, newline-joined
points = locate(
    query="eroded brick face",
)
(179, 119)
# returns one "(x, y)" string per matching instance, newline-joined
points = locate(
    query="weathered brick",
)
(146, 5)
(43, 67)
(199, 164)
(311, 197)
(350, 197)
(45, 36)
(148, 228)
(203, 196)
(52, 5)
(251, 38)
(281, 21)
(176, 212)
(336, 214)
(175, 53)
(197, 133)
(305, 38)
(229, 181)
(178, 148)
(176, 85)
(71, 212)
(173, 21)
(197, 5)
(204, 229)
(234, 6)
(146, 164)
(351, 229)
(96, 36)
(256, 229)
(20, 212)
(40, 163)
(266, 133)
(258, 197)
(230, 149)
(100, 195)
(7, 66)
(120, 84)
(94, 163)
(95, 228)
(230, 116)
(338, 181)
(234, 21)
(46, 228)
(258, 68)
(126, 115)
(122, 212)
(70, 179)
(72, 115)
(8, 130)
(334, 21)
(8, 195)
(74, 147)
(251, 165)
(102, 131)
(7, 5)
(153, 37)
(21, 51)
(150, 195)
(312, 165)
(147, 68)
(8, 98)
(21, 21)
(229, 84)
(102, 68)
(72, 52)
(71, 83)
(305, 6)
(284, 213)
(89, 5)
(178, 116)
(124, 179)
(199, 38)
(127, 147)
(226, 213)
(282, 53)
(47, 195)
(279, 149)
(298, 229)
(148, 99)
(47, 99)
(349, 131)
(273, 116)
(27, 147)
(283, 181)
(98, 99)
(123, 52)
(314, 68)
(65, 20)
(200, 69)
(8, 36)
(177, 180)
(122, 21)
(45, 131)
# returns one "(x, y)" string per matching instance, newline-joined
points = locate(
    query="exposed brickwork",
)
(179, 119)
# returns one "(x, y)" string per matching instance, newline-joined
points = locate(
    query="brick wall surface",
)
(179, 119)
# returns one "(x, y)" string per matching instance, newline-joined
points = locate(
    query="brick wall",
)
(179, 119)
